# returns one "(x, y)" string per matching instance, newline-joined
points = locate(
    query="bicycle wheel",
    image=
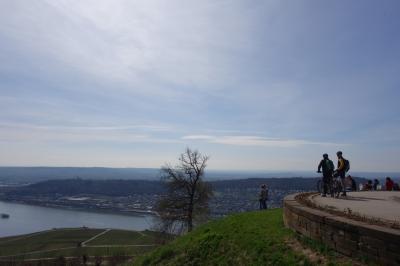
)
(319, 186)
(337, 187)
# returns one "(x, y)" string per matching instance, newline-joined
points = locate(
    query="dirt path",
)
(94, 237)
(121, 246)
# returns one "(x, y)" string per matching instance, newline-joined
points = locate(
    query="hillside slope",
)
(252, 238)
(256, 238)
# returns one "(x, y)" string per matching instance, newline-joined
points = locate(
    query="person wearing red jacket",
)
(389, 184)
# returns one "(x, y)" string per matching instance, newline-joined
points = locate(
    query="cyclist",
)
(342, 167)
(327, 170)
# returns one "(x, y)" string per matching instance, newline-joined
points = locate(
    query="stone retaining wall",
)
(351, 238)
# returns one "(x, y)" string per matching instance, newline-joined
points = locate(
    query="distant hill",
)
(121, 187)
(37, 174)
(69, 187)
(18, 175)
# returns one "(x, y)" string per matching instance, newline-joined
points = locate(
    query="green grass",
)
(253, 238)
(54, 239)
(42, 245)
(8, 238)
(122, 237)
(90, 251)
(256, 238)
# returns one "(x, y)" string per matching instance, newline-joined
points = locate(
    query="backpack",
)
(264, 194)
(346, 165)
(329, 165)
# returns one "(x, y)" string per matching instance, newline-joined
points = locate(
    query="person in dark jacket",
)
(368, 186)
(327, 170)
(351, 183)
(375, 185)
(263, 197)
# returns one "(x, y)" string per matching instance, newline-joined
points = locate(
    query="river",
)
(26, 219)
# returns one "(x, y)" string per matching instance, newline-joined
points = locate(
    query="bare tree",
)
(187, 194)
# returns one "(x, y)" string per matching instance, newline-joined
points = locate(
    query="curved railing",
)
(346, 236)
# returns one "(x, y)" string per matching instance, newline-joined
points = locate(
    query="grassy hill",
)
(256, 238)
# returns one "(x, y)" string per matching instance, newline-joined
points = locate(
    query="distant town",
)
(223, 202)
(139, 196)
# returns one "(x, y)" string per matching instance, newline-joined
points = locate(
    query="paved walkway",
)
(377, 204)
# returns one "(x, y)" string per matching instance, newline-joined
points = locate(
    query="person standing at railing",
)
(263, 197)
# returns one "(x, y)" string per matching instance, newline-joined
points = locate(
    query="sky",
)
(256, 85)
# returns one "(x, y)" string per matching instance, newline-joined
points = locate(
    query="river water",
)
(26, 219)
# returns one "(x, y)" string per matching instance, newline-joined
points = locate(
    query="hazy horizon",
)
(226, 173)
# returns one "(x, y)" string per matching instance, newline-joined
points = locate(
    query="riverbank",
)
(90, 208)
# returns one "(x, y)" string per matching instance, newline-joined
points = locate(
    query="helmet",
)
(339, 153)
(325, 155)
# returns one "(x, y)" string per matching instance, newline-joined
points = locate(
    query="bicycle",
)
(336, 187)
(320, 185)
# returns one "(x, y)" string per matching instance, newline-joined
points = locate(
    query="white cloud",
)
(198, 137)
(134, 43)
(68, 134)
(254, 141)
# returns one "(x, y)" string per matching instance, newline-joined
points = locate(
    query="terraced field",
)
(76, 243)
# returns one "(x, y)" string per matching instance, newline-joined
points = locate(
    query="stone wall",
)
(352, 238)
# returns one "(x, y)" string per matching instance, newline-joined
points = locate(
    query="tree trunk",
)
(190, 214)
(190, 223)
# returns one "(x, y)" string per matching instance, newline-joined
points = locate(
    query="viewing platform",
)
(384, 205)
(363, 224)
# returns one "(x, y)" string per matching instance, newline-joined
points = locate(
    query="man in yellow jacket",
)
(341, 170)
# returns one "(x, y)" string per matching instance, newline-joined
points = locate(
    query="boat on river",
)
(4, 216)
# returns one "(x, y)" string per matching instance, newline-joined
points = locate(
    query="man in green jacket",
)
(327, 171)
